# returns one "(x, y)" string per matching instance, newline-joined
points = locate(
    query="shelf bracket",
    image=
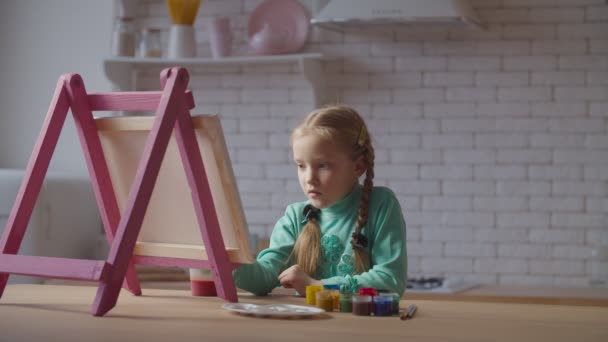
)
(122, 75)
(312, 71)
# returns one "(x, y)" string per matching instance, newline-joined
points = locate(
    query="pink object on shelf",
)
(220, 37)
(277, 27)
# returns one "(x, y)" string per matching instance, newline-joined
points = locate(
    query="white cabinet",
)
(122, 71)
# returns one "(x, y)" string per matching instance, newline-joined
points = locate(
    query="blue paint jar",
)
(395, 298)
(383, 306)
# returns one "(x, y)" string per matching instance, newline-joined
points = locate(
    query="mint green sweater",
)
(385, 231)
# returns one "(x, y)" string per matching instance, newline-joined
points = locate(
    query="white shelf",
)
(122, 70)
(234, 60)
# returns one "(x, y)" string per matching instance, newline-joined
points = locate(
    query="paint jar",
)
(362, 305)
(335, 293)
(346, 302)
(311, 291)
(324, 300)
(383, 306)
(395, 298)
(201, 283)
(368, 291)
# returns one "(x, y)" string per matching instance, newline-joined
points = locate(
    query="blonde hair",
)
(344, 126)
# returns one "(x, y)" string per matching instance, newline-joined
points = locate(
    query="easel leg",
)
(141, 191)
(34, 175)
(204, 207)
(98, 170)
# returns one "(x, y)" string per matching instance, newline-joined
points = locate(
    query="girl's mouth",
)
(314, 193)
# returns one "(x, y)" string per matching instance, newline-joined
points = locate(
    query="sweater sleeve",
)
(261, 277)
(388, 252)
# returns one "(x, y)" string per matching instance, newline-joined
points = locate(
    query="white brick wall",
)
(495, 141)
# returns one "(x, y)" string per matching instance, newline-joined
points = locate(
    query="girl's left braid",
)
(361, 259)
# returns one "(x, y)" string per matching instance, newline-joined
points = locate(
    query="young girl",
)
(345, 234)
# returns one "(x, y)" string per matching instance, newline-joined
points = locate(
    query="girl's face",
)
(326, 171)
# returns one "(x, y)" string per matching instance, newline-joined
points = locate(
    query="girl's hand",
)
(294, 277)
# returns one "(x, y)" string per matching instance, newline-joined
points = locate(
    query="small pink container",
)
(201, 283)
(220, 37)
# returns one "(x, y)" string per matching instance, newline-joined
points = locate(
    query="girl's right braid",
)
(311, 240)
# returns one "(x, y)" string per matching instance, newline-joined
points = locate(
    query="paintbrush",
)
(409, 312)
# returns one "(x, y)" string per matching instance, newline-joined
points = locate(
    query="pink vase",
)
(220, 37)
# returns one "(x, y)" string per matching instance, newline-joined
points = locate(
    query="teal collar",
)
(341, 207)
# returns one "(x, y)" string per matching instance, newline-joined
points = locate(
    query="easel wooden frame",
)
(172, 106)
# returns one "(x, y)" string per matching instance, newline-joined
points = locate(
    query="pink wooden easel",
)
(172, 106)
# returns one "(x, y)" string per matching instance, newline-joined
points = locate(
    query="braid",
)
(361, 255)
(307, 249)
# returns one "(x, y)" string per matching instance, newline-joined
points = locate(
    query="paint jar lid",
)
(331, 287)
(393, 295)
(382, 300)
(311, 289)
(200, 274)
(368, 291)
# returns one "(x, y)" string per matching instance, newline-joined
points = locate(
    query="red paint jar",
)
(362, 305)
(201, 283)
(205, 288)
(369, 291)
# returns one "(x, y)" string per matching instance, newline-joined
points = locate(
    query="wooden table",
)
(481, 293)
(62, 313)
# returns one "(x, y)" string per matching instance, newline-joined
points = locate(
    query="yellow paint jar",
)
(335, 294)
(325, 300)
(311, 291)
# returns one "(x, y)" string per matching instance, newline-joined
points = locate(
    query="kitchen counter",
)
(524, 295)
(62, 313)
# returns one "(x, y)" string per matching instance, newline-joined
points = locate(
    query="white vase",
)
(182, 43)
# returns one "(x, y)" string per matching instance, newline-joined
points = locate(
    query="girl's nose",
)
(310, 176)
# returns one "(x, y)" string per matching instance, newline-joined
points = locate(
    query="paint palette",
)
(273, 310)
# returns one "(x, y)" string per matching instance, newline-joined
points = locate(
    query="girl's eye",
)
(323, 165)
(300, 166)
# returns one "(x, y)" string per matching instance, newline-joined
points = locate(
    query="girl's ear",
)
(360, 166)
